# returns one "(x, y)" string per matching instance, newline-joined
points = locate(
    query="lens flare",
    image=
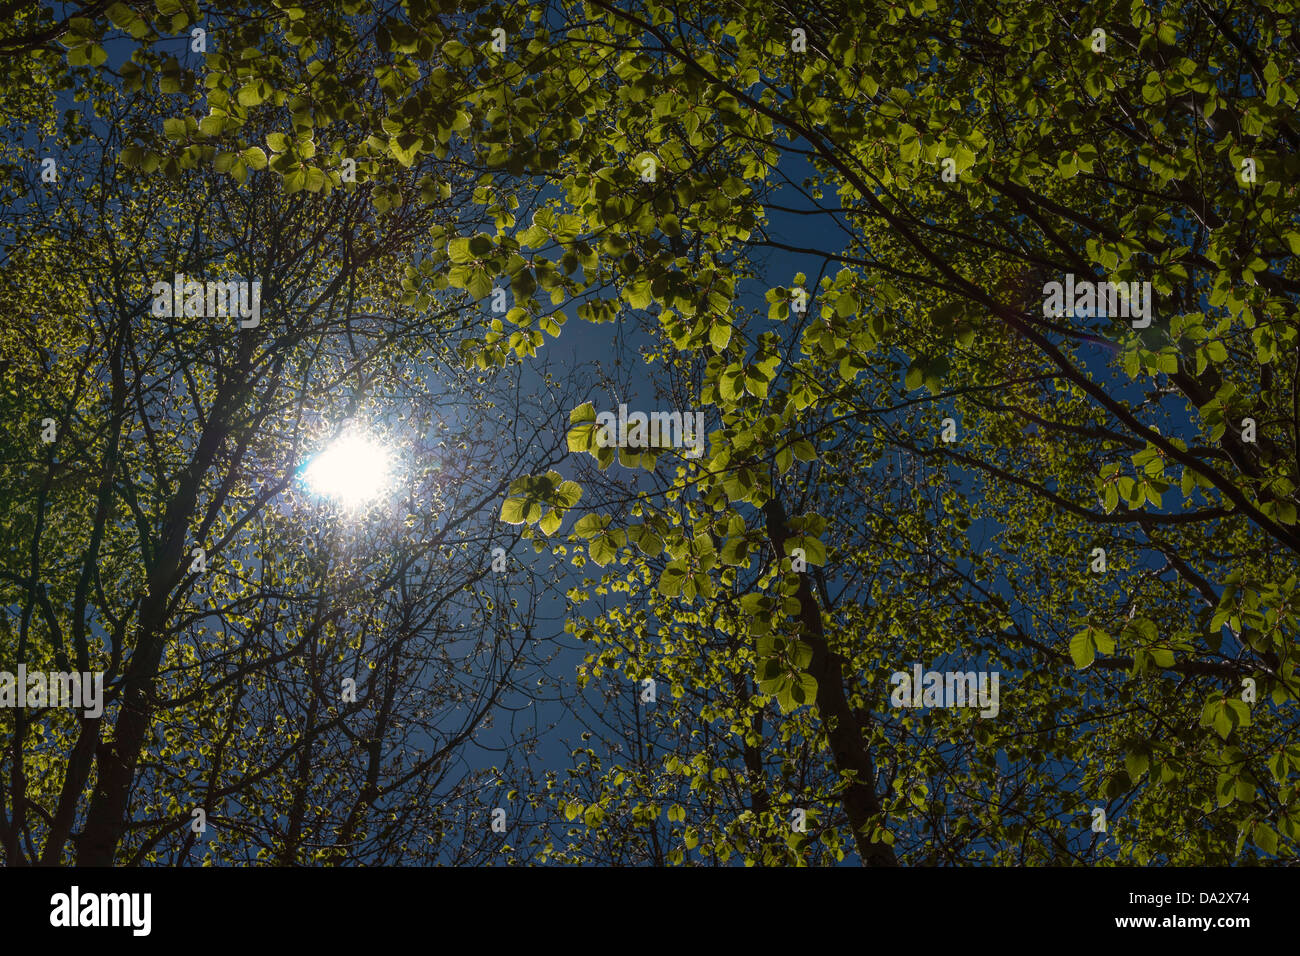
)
(353, 470)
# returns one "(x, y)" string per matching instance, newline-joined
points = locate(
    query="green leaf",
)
(513, 510)
(567, 495)
(672, 578)
(1136, 763)
(122, 15)
(479, 284)
(582, 438)
(1265, 838)
(458, 250)
(1082, 649)
(550, 522)
(650, 543)
(719, 335)
(814, 550)
(603, 550)
(314, 179)
(590, 525)
(1222, 721)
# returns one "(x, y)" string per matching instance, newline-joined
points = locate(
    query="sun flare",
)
(352, 470)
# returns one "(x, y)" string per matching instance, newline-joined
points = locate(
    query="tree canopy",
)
(831, 228)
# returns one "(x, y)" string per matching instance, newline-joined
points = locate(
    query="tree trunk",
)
(842, 731)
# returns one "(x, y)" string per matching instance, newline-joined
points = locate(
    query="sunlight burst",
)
(353, 470)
